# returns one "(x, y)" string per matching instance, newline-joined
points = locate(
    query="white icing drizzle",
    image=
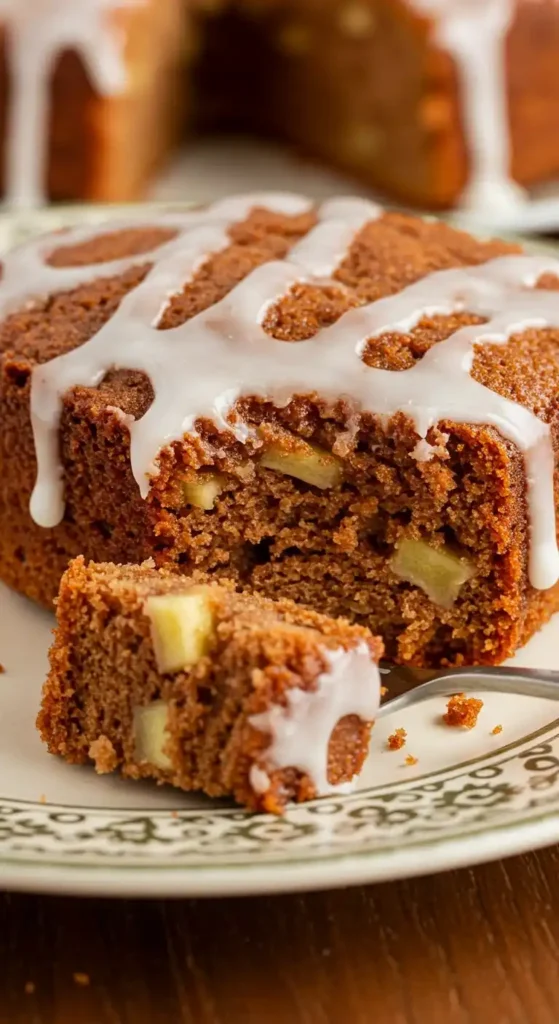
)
(141, 347)
(300, 730)
(424, 452)
(38, 31)
(200, 368)
(474, 33)
(259, 779)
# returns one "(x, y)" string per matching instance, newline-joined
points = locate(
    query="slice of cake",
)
(193, 684)
(352, 409)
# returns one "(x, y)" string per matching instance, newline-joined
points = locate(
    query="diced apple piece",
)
(182, 626)
(203, 489)
(306, 462)
(150, 733)
(438, 571)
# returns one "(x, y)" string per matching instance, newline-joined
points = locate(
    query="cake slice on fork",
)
(190, 683)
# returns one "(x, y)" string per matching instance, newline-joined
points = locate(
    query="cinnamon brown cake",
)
(352, 409)
(436, 102)
(190, 683)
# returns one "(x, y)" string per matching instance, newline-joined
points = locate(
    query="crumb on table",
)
(397, 739)
(462, 711)
(496, 730)
(81, 978)
(411, 760)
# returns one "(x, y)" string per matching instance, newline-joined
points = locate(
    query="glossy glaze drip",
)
(300, 730)
(132, 331)
(474, 33)
(201, 368)
(38, 31)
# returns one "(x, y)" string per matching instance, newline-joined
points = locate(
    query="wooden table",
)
(476, 946)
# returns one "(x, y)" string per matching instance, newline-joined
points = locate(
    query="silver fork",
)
(407, 686)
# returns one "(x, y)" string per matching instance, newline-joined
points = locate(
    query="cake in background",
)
(433, 102)
(91, 96)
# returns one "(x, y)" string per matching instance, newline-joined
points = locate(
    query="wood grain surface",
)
(476, 946)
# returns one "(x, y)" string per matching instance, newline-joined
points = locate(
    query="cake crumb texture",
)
(462, 711)
(103, 755)
(205, 726)
(397, 739)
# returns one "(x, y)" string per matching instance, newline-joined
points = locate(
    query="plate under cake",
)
(349, 408)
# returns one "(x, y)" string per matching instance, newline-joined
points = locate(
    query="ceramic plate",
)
(471, 796)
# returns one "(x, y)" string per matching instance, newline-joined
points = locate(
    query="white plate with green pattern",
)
(471, 796)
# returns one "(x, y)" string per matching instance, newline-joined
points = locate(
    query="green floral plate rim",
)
(506, 802)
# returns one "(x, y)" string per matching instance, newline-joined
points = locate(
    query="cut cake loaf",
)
(92, 96)
(353, 409)
(434, 102)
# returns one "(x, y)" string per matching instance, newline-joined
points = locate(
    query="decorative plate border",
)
(508, 799)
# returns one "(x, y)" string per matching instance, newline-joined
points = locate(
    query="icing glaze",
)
(37, 32)
(300, 730)
(202, 367)
(135, 323)
(474, 33)
(259, 779)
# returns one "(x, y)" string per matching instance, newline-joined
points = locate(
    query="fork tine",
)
(399, 679)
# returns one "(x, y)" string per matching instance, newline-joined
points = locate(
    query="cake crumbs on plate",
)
(29, 988)
(383, 691)
(411, 760)
(397, 739)
(42, 799)
(81, 978)
(496, 730)
(462, 711)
